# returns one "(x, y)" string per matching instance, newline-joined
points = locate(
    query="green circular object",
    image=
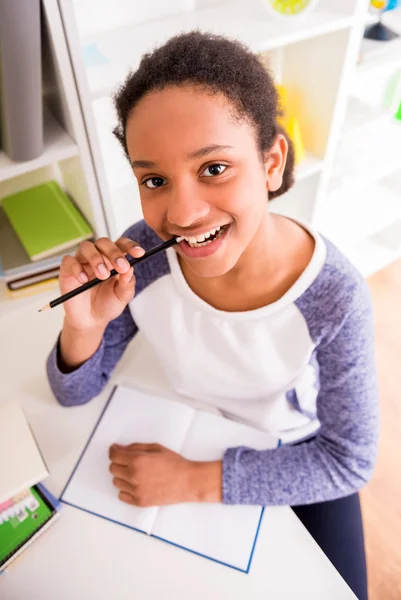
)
(290, 7)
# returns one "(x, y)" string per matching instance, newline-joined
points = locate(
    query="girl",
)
(254, 313)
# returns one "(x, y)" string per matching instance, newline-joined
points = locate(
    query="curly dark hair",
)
(218, 65)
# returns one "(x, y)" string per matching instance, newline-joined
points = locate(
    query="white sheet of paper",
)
(131, 416)
(21, 463)
(224, 533)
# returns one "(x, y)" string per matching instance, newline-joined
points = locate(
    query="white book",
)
(224, 533)
(21, 463)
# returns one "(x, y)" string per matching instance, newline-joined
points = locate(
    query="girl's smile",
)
(206, 244)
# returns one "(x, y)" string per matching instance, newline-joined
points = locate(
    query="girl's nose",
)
(186, 208)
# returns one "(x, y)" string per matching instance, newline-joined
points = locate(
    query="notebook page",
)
(224, 533)
(130, 417)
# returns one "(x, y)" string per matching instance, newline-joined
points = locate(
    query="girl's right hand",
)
(96, 307)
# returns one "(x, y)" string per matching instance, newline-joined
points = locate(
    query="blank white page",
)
(131, 416)
(21, 463)
(221, 532)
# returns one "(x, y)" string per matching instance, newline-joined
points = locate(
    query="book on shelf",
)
(24, 282)
(33, 288)
(46, 220)
(15, 262)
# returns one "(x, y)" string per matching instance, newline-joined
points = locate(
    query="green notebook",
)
(45, 220)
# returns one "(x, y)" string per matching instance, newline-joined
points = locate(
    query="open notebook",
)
(226, 534)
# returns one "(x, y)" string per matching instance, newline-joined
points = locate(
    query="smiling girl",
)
(253, 313)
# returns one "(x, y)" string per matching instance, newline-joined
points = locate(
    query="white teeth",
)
(201, 238)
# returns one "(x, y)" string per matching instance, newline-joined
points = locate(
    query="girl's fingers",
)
(109, 265)
(99, 258)
(114, 254)
(130, 247)
(125, 286)
(126, 278)
(70, 267)
(122, 485)
(127, 498)
(88, 253)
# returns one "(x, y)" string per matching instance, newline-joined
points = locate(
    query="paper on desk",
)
(226, 533)
(21, 463)
(143, 419)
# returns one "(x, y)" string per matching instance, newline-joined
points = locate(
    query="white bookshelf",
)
(362, 209)
(66, 156)
(352, 217)
(58, 146)
(123, 46)
(335, 94)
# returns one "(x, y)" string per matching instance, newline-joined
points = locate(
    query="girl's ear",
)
(274, 162)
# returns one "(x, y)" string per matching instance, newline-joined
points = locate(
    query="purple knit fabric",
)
(337, 310)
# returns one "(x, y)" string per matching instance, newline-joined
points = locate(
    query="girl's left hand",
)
(152, 475)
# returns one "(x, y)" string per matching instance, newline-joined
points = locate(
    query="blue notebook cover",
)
(64, 501)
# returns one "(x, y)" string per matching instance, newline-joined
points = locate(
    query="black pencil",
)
(132, 261)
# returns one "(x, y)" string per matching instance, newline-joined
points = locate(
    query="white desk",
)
(86, 557)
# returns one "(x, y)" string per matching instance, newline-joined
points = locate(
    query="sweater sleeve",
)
(88, 380)
(340, 459)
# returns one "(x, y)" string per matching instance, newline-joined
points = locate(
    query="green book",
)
(46, 220)
(23, 518)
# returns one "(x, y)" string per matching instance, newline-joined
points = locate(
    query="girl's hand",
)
(152, 475)
(96, 307)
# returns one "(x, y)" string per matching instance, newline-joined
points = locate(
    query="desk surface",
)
(83, 556)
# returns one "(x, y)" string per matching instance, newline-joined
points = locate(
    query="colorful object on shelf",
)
(391, 95)
(379, 31)
(47, 285)
(398, 113)
(290, 8)
(294, 133)
(289, 122)
(93, 57)
(46, 220)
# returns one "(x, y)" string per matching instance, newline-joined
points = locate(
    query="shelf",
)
(57, 146)
(121, 49)
(374, 254)
(349, 219)
(371, 155)
(377, 55)
(359, 115)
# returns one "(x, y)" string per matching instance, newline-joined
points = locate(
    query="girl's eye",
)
(153, 182)
(213, 170)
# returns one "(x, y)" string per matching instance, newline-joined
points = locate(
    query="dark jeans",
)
(336, 525)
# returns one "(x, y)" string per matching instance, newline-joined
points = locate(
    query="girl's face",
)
(199, 169)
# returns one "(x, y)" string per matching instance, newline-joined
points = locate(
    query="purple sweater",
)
(327, 315)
